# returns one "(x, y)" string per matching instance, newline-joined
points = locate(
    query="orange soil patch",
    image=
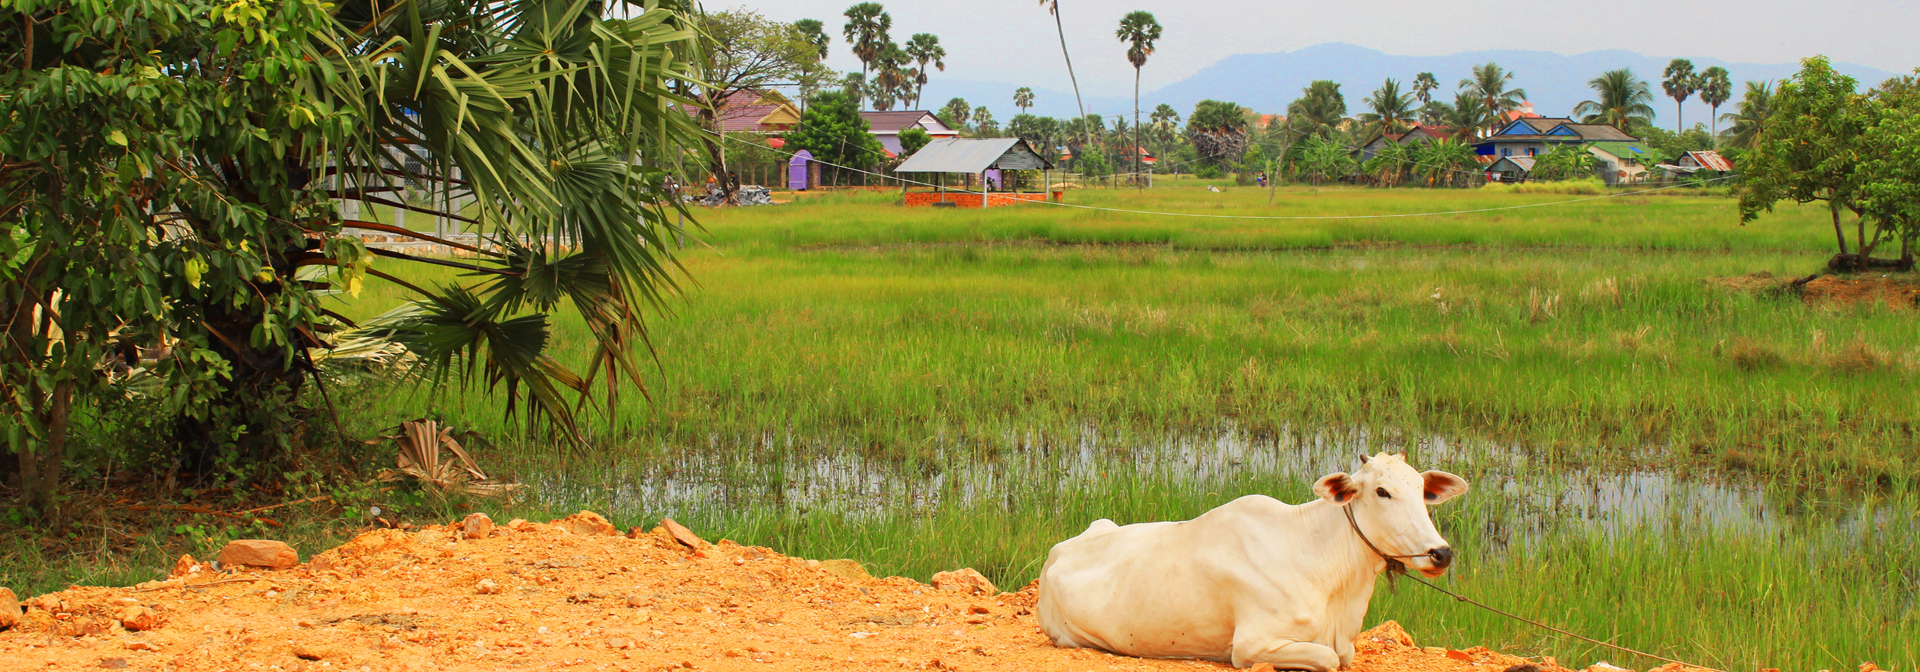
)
(575, 594)
(1897, 291)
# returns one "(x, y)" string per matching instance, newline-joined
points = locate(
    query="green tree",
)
(912, 140)
(1423, 86)
(956, 114)
(893, 81)
(1566, 162)
(170, 169)
(1388, 108)
(1680, 82)
(1890, 166)
(1324, 158)
(1164, 131)
(833, 131)
(1489, 86)
(1023, 99)
(1449, 162)
(747, 53)
(1390, 166)
(1810, 153)
(815, 33)
(1319, 110)
(983, 124)
(1041, 132)
(1091, 162)
(1715, 89)
(868, 25)
(1745, 125)
(925, 48)
(1139, 30)
(1621, 101)
(1217, 130)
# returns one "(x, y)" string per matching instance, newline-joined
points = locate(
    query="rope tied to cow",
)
(1395, 567)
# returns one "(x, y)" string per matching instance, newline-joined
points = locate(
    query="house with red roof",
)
(761, 112)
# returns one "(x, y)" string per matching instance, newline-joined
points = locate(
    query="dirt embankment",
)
(577, 594)
(1899, 291)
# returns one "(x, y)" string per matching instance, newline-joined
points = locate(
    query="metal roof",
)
(1524, 163)
(973, 155)
(1710, 160)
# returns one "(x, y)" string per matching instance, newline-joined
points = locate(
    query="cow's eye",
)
(1382, 492)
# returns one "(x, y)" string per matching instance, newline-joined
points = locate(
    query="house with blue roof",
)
(1623, 158)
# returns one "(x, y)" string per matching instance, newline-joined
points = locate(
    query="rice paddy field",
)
(1662, 455)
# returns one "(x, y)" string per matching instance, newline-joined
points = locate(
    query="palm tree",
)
(815, 33)
(1715, 89)
(1623, 101)
(1053, 7)
(1423, 86)
(924, 48)
(1680, 83)
(1139, 30)
(1747, 124)
(866, 30)
(1489, 86)
(1023, 98)
(1166, 127)
(1391, 109)
(1464, 115)
(1318, 111)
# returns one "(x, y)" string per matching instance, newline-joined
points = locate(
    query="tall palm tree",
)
(1166, 127)
(866, 31)
(1423, 86)
(1318, 111)
(815, 34)
(1053, 7)
(924, 48)
(1388, 107)
(1715, 89)
(1489, 86)
(1023, 98)
(1464, 115)
(1139, 30)
(1751, 119)
(1680, 83)
(1623, 101)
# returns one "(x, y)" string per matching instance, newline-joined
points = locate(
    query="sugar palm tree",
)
(867, 26)
(1423, 86)
(1053, 7)
(1489, 86)
(1715, 89)
(1318, 111)
(1388, 107)
(1139, 30)
(1622, 101)
(1680, 83)
(1023, 98)
(815, 34)
(1751, 119)
(925, 48)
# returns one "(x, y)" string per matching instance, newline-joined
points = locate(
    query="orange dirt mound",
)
(1897, 291)
(576, 594)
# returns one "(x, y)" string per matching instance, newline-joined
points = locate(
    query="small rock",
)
(682, 534)
(977, 609)
(113, 663)
(9, 609)
(184, 566)
(587, 524)
(1457, 654)
(965, 581)
(142, 646)
(486, 587)
(736, 653)
(1435, 650)
(846, 569)
(310, 652)
(138, 619)
(259, 553)
(476, 526)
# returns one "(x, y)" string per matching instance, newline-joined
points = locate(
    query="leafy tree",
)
(893, 81)
(1622, 101)
(170, 168)
(1218, 131)
(1423, 86)
(1680, 82)
(983, 124)
(1041, 132)
(1388, 108)
(1319, 110)
(1164, 131)
(1091, 162)
(1715, 89)
(1390, 166)
(748, 53)
(1890, 166)
(1810, 153)
(1566, 162)
(1139, 30)
(956, 114)
(1023, 99)
(815, 33)
(1324, 158)
(1489, 86)
(1746, 124)
(912, 140)
(833, 131)
(1449, 162)
(868, 24)
(1053, 7)
(925, 48)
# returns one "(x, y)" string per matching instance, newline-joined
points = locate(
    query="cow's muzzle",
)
(1439, 560)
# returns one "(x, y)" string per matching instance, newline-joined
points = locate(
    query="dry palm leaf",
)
(422, 443)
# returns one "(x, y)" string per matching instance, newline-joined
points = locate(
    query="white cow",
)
(1254, 581)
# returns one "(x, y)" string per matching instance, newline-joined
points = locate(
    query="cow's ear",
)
(1336, 487)
(1441, 486)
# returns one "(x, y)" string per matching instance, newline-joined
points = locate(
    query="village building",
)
(1510, 169)
(887, 127)
(1420, 133)
(988, 164)
(759, 112)
(1693, 163)
(1623, 158)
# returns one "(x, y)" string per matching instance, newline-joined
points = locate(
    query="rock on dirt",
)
(259, 553)
(681, 534)
(9, 609)
(965, 581)
(846, 569)
(588, 524)
(137, 618)
(476, 526)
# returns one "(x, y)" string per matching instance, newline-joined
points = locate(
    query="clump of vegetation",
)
(1750, 354)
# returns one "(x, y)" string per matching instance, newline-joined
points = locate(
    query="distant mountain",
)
(1268, 82)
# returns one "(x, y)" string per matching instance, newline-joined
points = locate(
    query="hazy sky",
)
(1014, 40)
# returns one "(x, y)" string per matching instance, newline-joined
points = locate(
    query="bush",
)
(1586, 187)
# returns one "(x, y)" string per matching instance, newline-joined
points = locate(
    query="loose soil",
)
(577, 594)
(1898, 291)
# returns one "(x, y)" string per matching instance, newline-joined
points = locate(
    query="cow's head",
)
(1389, 501)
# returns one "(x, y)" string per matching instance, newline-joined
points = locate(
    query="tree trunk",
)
(1839, 234)
(1070, 76)
(47, 495)
(1136, 127)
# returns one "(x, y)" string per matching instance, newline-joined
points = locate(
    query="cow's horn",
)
(1363, 458)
